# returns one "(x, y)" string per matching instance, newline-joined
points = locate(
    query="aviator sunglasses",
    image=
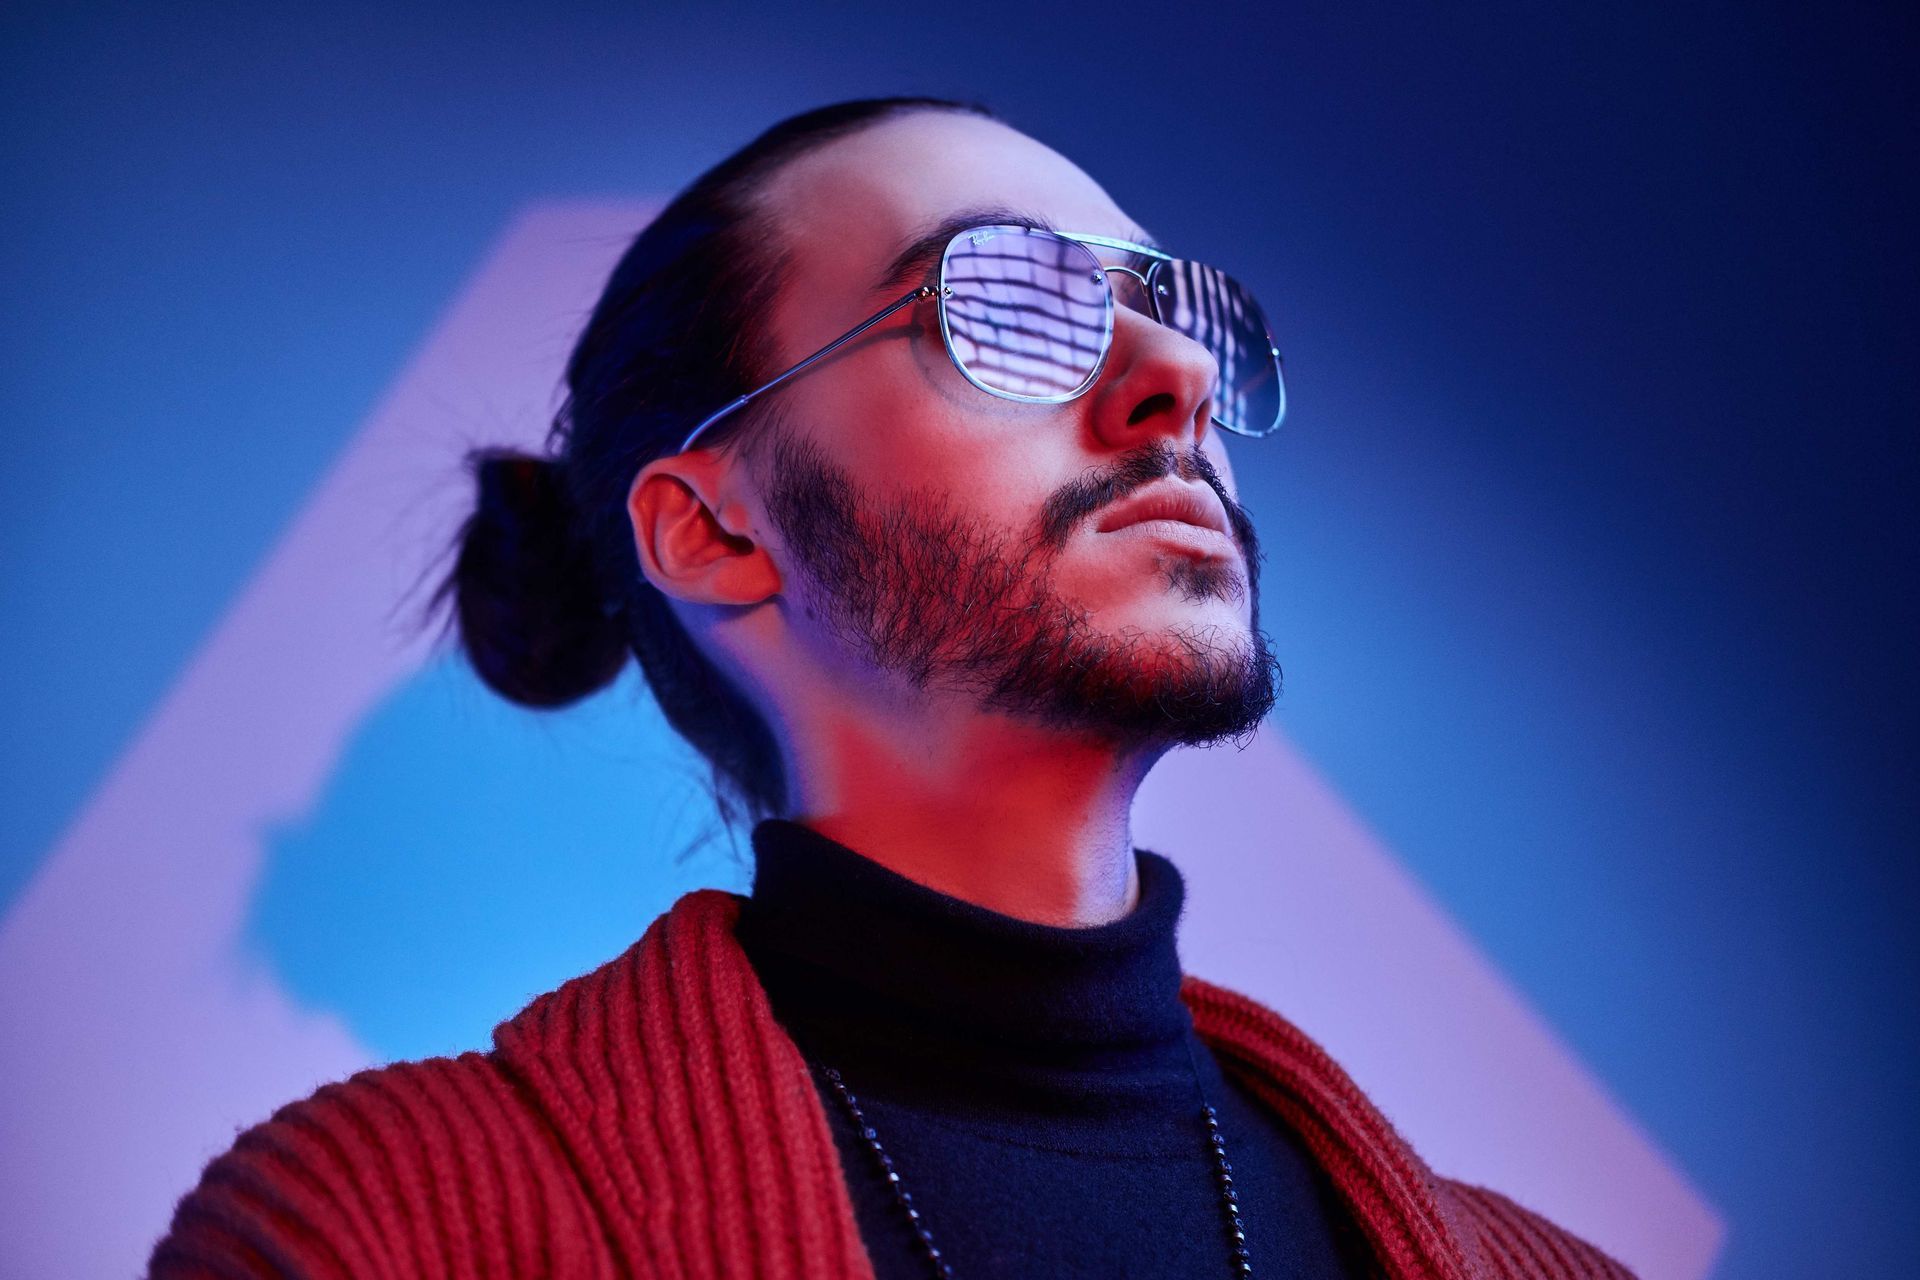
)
(1027, 314)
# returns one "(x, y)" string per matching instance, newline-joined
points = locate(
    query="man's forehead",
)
(852, 207)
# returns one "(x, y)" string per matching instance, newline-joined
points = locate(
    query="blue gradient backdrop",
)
(1591, 532)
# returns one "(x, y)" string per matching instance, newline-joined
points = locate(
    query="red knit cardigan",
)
(651, 1119)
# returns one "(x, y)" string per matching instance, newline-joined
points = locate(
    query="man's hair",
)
(546, 585)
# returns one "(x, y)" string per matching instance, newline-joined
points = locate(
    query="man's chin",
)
(1175, 627)
(1180, 686)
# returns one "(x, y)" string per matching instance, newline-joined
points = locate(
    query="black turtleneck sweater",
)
(1032, 1084)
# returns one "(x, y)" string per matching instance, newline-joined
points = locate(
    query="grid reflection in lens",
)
(1029, 314)
(1218, 312)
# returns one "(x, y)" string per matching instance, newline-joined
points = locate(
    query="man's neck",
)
(1031, 823)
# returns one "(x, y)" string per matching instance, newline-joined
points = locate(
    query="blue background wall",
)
(1591, 530)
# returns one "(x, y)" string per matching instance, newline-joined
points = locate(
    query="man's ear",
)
(694, 543)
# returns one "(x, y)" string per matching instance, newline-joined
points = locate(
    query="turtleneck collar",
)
(846, 934)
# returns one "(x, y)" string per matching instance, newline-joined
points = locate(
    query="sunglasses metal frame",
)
(1148, 281)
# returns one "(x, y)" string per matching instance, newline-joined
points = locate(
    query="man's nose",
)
(1158, 383)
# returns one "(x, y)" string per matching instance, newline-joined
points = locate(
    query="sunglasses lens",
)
(1029, 314)
(1219, 313)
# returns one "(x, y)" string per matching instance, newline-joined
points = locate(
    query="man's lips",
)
(1168, 499)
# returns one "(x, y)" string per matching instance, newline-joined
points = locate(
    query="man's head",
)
(879, 529)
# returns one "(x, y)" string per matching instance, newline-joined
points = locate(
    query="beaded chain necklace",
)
(1229, 1198)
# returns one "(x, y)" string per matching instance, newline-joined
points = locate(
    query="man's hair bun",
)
(526, 594)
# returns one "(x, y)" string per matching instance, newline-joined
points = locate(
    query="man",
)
(894, 454)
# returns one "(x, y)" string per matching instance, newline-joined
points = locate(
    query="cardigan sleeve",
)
(1518, 1244)
(413, 1171)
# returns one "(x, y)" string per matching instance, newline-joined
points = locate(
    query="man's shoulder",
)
(1518, 1241)
(373, 1175)
(408, 1168)
(1314, 1094)
(401, 1107)
(397, 1168)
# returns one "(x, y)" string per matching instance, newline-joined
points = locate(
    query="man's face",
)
(953, 540)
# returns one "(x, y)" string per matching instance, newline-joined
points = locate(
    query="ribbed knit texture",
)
(651, 1119)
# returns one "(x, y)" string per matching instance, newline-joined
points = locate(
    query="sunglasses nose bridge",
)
(1137, 296)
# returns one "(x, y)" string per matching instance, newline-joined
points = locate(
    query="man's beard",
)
(953, 606)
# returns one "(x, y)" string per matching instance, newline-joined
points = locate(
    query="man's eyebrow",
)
(921, 252)
(912, 261)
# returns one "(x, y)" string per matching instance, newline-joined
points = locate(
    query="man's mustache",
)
(1081, 498)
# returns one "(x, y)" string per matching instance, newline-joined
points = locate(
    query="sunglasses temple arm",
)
(924, 291)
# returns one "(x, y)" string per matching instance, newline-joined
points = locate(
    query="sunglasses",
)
(1027, 314)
